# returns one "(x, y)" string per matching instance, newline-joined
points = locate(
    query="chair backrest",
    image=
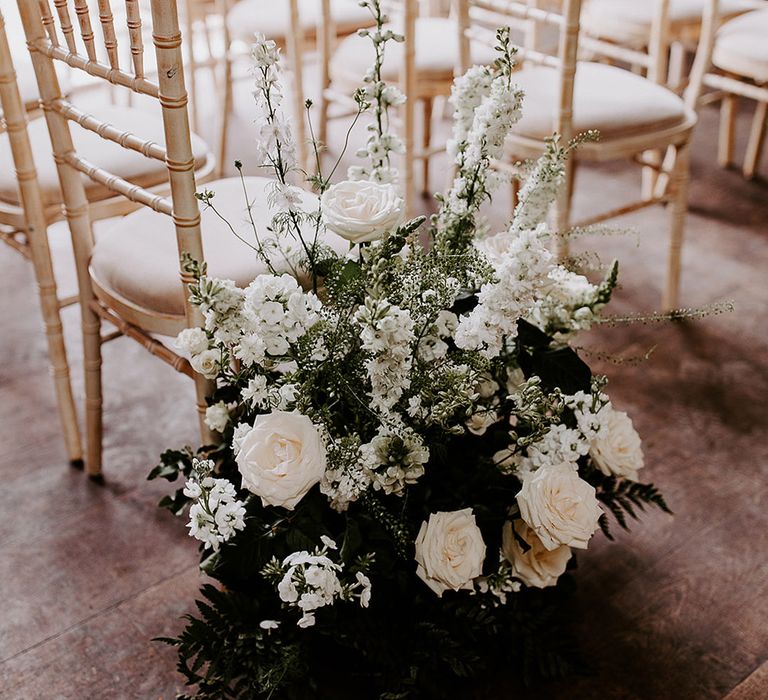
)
(479, 19)
(48, 42)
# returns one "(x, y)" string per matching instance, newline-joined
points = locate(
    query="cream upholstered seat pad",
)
(436, 48)
(629, 21)
(136, 257)
(741, 46)
(129, 165)
(273, 19)
(611, 100)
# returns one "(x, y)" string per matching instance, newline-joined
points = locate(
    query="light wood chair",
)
(26, 229)
(628, 31)
(296, 26)
(632, 114)
(740, 69)
(423, 66)
(129, 275)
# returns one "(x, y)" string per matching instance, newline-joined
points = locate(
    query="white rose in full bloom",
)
(281, 458)
(206, 363)
(559, 506)
(362, 211)
(450, 551)
(617, 449)
(538, 566)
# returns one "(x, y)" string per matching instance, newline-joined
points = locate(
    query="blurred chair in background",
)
(632, 114)
(740, 69)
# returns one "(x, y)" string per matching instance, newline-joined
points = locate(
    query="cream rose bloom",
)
(206, 363)
(450, 551)
(362, 211)
(281, 458)
(538, 566)
(559, 506)
(617, 448)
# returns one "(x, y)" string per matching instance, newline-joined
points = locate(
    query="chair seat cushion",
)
(436, 48)
(629, 21)
(610, 100)
(741, 46)
(129, 165)
(136, 257)
(273, 19)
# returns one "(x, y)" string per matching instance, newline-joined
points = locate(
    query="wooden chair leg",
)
(426, 141)
(756, 140)
(93, 398)
(728, 110)
(203, 389)
(562, 210)
(514, 191)
(676, 71)
(226, 110)
(57, 352)
(650, 175)
(678, 212)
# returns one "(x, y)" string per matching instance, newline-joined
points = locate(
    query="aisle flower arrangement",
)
(411, 451)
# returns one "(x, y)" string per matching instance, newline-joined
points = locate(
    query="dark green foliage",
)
(625, 498)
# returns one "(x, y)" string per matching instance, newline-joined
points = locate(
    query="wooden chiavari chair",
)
(628, 31)
(423, 66)
(26, 230)
(740, 69)
(632, 114)
(129, 275)
(296, 26)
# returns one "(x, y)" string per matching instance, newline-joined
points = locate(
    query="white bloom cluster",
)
(276, 314)
(311, 581)
(467, 94)
(216, 514)
(274, 140)
(394, 459)
(387, 333)
(346, 482)
(540, 190)
(432, 345)
(492, 122)
(521, 272)
(567, 303)
(559, 445)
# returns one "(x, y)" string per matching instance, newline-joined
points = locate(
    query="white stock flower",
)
(362, 211)
(617, 449)
(217, 416)
(192, 341)
(538, 566)
(479, 422)
(559, 506)
(450, 551)
(281, 458)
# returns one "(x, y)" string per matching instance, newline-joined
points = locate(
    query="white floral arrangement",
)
(420, 405)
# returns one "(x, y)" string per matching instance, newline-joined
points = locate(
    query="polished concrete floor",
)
(678, 610)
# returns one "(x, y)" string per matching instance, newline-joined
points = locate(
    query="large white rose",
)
(281, 458)
(362, 211)
(450, 551)
(617, 448)
(559, 506)
(538, 566)
(207, 363)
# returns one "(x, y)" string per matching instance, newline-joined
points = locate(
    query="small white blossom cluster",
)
(387, 333)
(394, 459)
(432, 345)
(467, 94)
(520, 272)
(276, 314)
(540, 190)
(311, 581)
(216, 514)
(274, 140)
(567, 304)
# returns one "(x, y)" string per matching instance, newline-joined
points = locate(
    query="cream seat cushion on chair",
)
(136, 258)
(130, 165)
(273, 18)
(741, 46)
(629, 21)
(436, 48)
(610, 100)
